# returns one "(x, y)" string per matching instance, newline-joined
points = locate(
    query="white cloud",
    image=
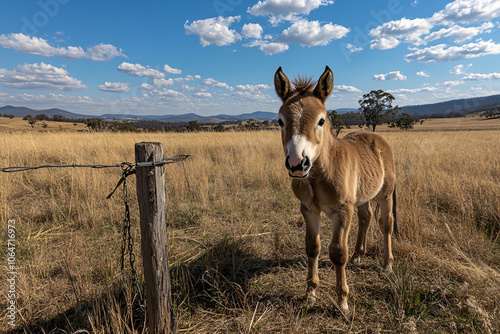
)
(459, 69)
(188, 78)
(387, 35)
(481, 76)
(40, 46)
(467, 11)
(140, 71)
(171, 70)
(214, 30)
(353, 48)
(157, 84)
(168, 93)
(395, 75)
(451, 83)
(423, 74)
(202, 95)
(457, 34)
(347, 89)
(384, 43)
(268, 48)
(286, 9)
(114, 87)
(439, 53)
(214, 83)
(253, 88)
(252, 97)
(311, 33)
(412, 90)
(252, 30)
(39, 76)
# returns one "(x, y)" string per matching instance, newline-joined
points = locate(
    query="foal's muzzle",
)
(301, 170)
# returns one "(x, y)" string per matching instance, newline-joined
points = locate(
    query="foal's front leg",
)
(312, 216)
(341, 223)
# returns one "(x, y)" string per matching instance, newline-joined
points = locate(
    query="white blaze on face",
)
(298, 148)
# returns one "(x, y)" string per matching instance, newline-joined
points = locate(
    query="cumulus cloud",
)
(384, 43)
(353, 48)
(395, 75)
(252, 30)
(202, 95)
(214, 30)
(418, 31)
(188, 78)
(157, 84)
(214, 83)
(423, 74)
(286, 9)
(114, 87)
(171, 70)
(459, 69)
(387, 35)
(138, 70)
(457, 34)
(251, 97)
(412, 90)
(440, 53)
(346, 89)
(481, 76)
(39, 76)
(467, 11)
(451, 83)
(40, 46)
(311, 33)
(253, 88)
(269, 48)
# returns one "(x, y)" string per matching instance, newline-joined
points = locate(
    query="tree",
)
(406, 122)
(44, 125)
(193, 126)
(337, 122)
(376, 106)
(31, 121)
(96, 124)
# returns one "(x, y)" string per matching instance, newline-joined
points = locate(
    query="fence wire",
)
(167, 161)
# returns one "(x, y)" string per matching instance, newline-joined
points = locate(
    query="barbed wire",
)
(167, 161)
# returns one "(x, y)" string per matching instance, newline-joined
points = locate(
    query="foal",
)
(334, 175)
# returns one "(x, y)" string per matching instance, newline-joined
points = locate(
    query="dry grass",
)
(18, 124)
(236, 237)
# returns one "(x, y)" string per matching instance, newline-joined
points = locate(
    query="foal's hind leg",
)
(364, 217)
(312, 216)
(386, 222)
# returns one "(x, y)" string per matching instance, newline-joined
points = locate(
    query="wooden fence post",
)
(152, 206)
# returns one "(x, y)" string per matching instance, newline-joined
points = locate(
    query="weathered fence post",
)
(151, 197)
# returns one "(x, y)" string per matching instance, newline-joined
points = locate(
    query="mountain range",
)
(462, 106)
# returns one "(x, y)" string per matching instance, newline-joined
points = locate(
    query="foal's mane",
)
(303, 84)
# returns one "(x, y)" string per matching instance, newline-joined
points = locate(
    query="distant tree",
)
(31, 121)
(96, 124)
(490, 113)
(337, 122)
(406, 122)
(44, 125)
(376, 106)
(60, 118)
(193, 126)
(8, 116)
(75, 124)
(42, 117)
(422, 121)
(218, 128)
(123, 127)
(27, 117)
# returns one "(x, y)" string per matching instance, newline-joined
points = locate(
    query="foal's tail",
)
(395, 225)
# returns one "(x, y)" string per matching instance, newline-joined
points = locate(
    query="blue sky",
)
(219, 56)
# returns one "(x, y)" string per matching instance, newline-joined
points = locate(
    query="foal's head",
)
(303, 119)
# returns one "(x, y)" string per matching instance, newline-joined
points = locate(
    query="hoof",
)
(388, 269)
(355, 259)
(310, 300)
(344, 309)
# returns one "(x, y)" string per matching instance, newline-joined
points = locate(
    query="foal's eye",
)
(280, 123)
(321, 122)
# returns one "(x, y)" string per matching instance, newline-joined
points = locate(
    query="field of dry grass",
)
(236, 237)
(18, 124)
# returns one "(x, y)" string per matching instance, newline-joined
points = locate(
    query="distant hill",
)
(453, 108)
(460, 107)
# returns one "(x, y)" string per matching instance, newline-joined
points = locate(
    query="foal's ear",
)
(325, 85)
(281, 84)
